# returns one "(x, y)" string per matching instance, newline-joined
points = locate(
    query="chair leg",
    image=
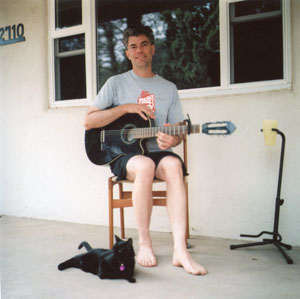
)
(187, 233)
(111, 213)
(120, 185)
(122, 223)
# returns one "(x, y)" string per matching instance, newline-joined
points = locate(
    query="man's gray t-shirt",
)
(158, 93)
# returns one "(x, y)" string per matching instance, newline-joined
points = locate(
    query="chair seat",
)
(115, 179)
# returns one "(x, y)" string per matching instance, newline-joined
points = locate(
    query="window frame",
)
(88, 27)
(226, 88)
(85, 28)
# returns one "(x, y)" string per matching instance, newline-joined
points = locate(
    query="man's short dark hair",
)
(136, 30)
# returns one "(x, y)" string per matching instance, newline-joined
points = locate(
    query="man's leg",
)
(169, 169)
(140, 170)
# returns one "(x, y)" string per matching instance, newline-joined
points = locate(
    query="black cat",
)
(116, 263)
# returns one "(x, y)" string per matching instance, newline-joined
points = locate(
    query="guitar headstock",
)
(218, 128)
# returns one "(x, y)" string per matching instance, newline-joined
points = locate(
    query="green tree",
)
(192, 46)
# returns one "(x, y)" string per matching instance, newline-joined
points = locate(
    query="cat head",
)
(123, 247)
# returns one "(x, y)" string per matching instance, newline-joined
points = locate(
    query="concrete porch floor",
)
(31, 250)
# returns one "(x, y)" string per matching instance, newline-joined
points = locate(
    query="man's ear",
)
(153, 49)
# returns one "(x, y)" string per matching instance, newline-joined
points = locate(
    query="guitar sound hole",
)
(127, 134)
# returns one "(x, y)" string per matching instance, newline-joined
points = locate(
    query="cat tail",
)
(86, 245)
(67, 264)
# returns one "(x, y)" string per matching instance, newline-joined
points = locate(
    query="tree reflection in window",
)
(187, 39)
(71, 43)
(70, 72)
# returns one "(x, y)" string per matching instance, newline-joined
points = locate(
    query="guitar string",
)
(172, 130)
(145, 132)
(142, 131)
(115, 134)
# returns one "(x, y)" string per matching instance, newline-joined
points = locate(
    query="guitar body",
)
(104, 145)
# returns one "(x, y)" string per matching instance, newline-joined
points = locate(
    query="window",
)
(245, 65)
(70, 78)
(206, 47)
(187, 39)
(70, 52)
(68, 13)
(256, 41)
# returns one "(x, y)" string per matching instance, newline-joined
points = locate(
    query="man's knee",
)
(141, 166)
(170, 167)
(146, 165)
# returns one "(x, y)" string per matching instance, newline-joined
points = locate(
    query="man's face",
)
(140, 51)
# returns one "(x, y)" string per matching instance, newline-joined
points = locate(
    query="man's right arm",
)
(96, 118)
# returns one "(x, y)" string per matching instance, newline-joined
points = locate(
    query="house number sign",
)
(12, 34)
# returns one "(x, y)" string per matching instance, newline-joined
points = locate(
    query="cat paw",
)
(132, 280)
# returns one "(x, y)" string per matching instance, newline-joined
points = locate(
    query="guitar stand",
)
(276, 240)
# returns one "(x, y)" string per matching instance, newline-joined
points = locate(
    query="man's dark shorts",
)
(118, 167)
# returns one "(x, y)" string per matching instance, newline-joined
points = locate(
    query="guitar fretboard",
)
(171, 130)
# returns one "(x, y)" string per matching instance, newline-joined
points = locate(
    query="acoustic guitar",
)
(129, 134)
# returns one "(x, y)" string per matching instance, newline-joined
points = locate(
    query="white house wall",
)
(44, 171)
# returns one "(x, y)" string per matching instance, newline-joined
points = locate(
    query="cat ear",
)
(117, 238)
(129, 241)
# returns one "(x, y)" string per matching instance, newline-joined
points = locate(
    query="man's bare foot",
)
(146, 257)
(182, 258)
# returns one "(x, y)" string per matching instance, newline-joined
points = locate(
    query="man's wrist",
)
(179, 139)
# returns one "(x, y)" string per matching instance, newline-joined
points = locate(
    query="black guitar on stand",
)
(129, 134)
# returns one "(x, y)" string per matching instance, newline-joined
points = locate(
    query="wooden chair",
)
(124, 198)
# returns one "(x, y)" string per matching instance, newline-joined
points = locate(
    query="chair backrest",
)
(184, 148)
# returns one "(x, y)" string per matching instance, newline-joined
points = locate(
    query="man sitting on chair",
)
(143, 92)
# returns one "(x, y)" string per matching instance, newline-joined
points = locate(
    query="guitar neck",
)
(170, 130)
